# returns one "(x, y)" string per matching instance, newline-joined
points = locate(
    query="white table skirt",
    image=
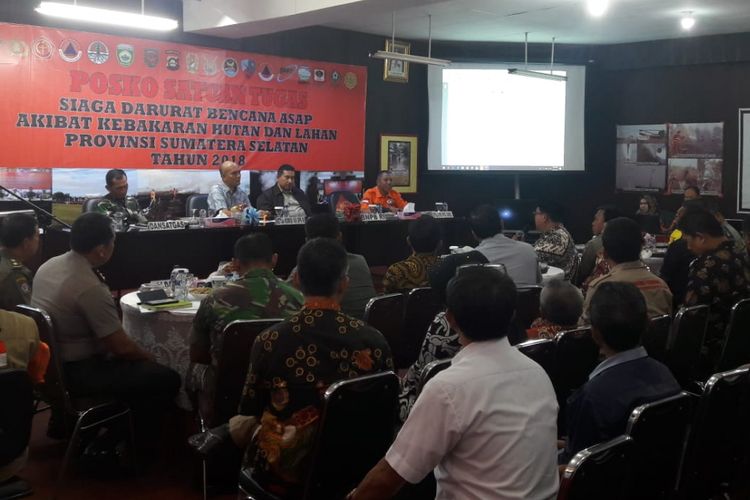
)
(165, 334)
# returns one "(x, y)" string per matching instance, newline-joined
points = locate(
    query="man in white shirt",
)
(519, 258)
(486, 425)
(227, 194)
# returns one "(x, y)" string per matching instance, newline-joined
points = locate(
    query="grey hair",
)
(561, 302)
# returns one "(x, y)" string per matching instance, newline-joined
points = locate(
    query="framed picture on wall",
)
(396, 71)
(398, 153)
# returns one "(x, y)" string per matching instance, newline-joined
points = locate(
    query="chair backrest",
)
(422, 305)
(16, 414)
(736, 350)
(685, 342)
(598, 472)
(432, 369)
(356, 429)
(655, 337)
(336, 196)
(720, 438)
(576, 356)
(90, 204)
(196, 202)
(527, 310)
(234, 359)
(54, 389)
(542, 351)
(386, 314)
(659, 430)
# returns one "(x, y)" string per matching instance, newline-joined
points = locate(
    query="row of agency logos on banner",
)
(669, 158)
(205, 63)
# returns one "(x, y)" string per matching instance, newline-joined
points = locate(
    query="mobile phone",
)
(160, 302)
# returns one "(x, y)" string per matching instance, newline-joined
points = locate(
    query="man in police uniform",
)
(117, 199)
(622, 241)
(19, 235)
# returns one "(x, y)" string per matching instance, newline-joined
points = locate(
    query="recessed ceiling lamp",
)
(688, 21)
(597, 8)
(105, 16)
(410, 58)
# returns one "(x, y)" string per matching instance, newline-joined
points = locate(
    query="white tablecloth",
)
(551, 274)
(165, 334)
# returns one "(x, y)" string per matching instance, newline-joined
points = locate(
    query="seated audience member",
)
(285, 194)
(19, 235)
(622, 242)
(117, 200)
(647, 206)
(383, 193)
(97, 356)
(626, 378)
(560, 305)
(592, 253)
(441, 341)
(691, 193)
(425, 238)
(731, 233)
(19, 341)
(719, 276)
(293, 363)
(257, 294)
(360, 289)
(555, 246)
(675, 269)
(486, 425)
(519, 258)
(227, 196)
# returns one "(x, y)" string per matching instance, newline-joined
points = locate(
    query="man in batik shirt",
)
(293, 363)
(413, 272)
(257, 295)
(555, 246)
(719, 277)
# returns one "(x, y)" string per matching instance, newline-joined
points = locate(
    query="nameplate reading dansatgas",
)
(163, 225)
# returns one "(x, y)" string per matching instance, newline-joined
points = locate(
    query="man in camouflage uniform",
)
(19, 236)
(117, 199)
(258, 294)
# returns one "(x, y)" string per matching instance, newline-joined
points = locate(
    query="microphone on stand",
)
(43, 221)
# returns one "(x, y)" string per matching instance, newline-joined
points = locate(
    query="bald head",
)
(231, 174)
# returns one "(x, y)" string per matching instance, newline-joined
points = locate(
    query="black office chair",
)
(196, 202)
(234, 359)
(16, 415)
(422, 305)
(655, 338)
(542, 351)
(386, 314)
(736, 351)
(659, 430)
(83, 415)
(527, 310)
(719, 441)
(432, 369)
(356, 429)
(576, 356)
(685, 343)
(90, 204)
(598, 472)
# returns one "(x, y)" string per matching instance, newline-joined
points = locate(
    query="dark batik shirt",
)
(557, 248)
(414, 272)
(718, 279)
(291, 366)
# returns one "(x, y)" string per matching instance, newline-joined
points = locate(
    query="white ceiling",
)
(477, 20)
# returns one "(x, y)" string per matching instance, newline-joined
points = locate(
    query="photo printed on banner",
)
(696, 157)
(641, 157)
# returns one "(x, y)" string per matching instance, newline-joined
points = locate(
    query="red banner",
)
(86, 100)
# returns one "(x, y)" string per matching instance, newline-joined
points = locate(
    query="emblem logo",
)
(18, 48)
(192, 62)
(335, 77)
(231, 67)
(209, 65)
(125, 54)
(304, 74)
(151, 57)
(286, 72)
(173, 59)
(248, 67)
(319, 75)
(69, 50)
(42, 48)
(350, 80)
(98, 52)
(266, 74)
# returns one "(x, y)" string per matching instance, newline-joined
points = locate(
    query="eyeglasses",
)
(537, 212)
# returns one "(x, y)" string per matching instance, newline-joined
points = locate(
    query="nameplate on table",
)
(289, 221)
(372, 217)
(442, 214)
(166, 225)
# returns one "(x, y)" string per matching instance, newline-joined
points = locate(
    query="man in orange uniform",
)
(383, 194)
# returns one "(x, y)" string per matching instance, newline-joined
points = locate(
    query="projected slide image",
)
(641, 157)
(29, 183)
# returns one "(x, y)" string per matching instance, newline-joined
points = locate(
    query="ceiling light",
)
(537, 74)
(597, 8)
(688, 21)
(410, 58)
(106, 16)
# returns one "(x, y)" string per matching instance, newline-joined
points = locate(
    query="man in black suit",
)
(284, 194)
